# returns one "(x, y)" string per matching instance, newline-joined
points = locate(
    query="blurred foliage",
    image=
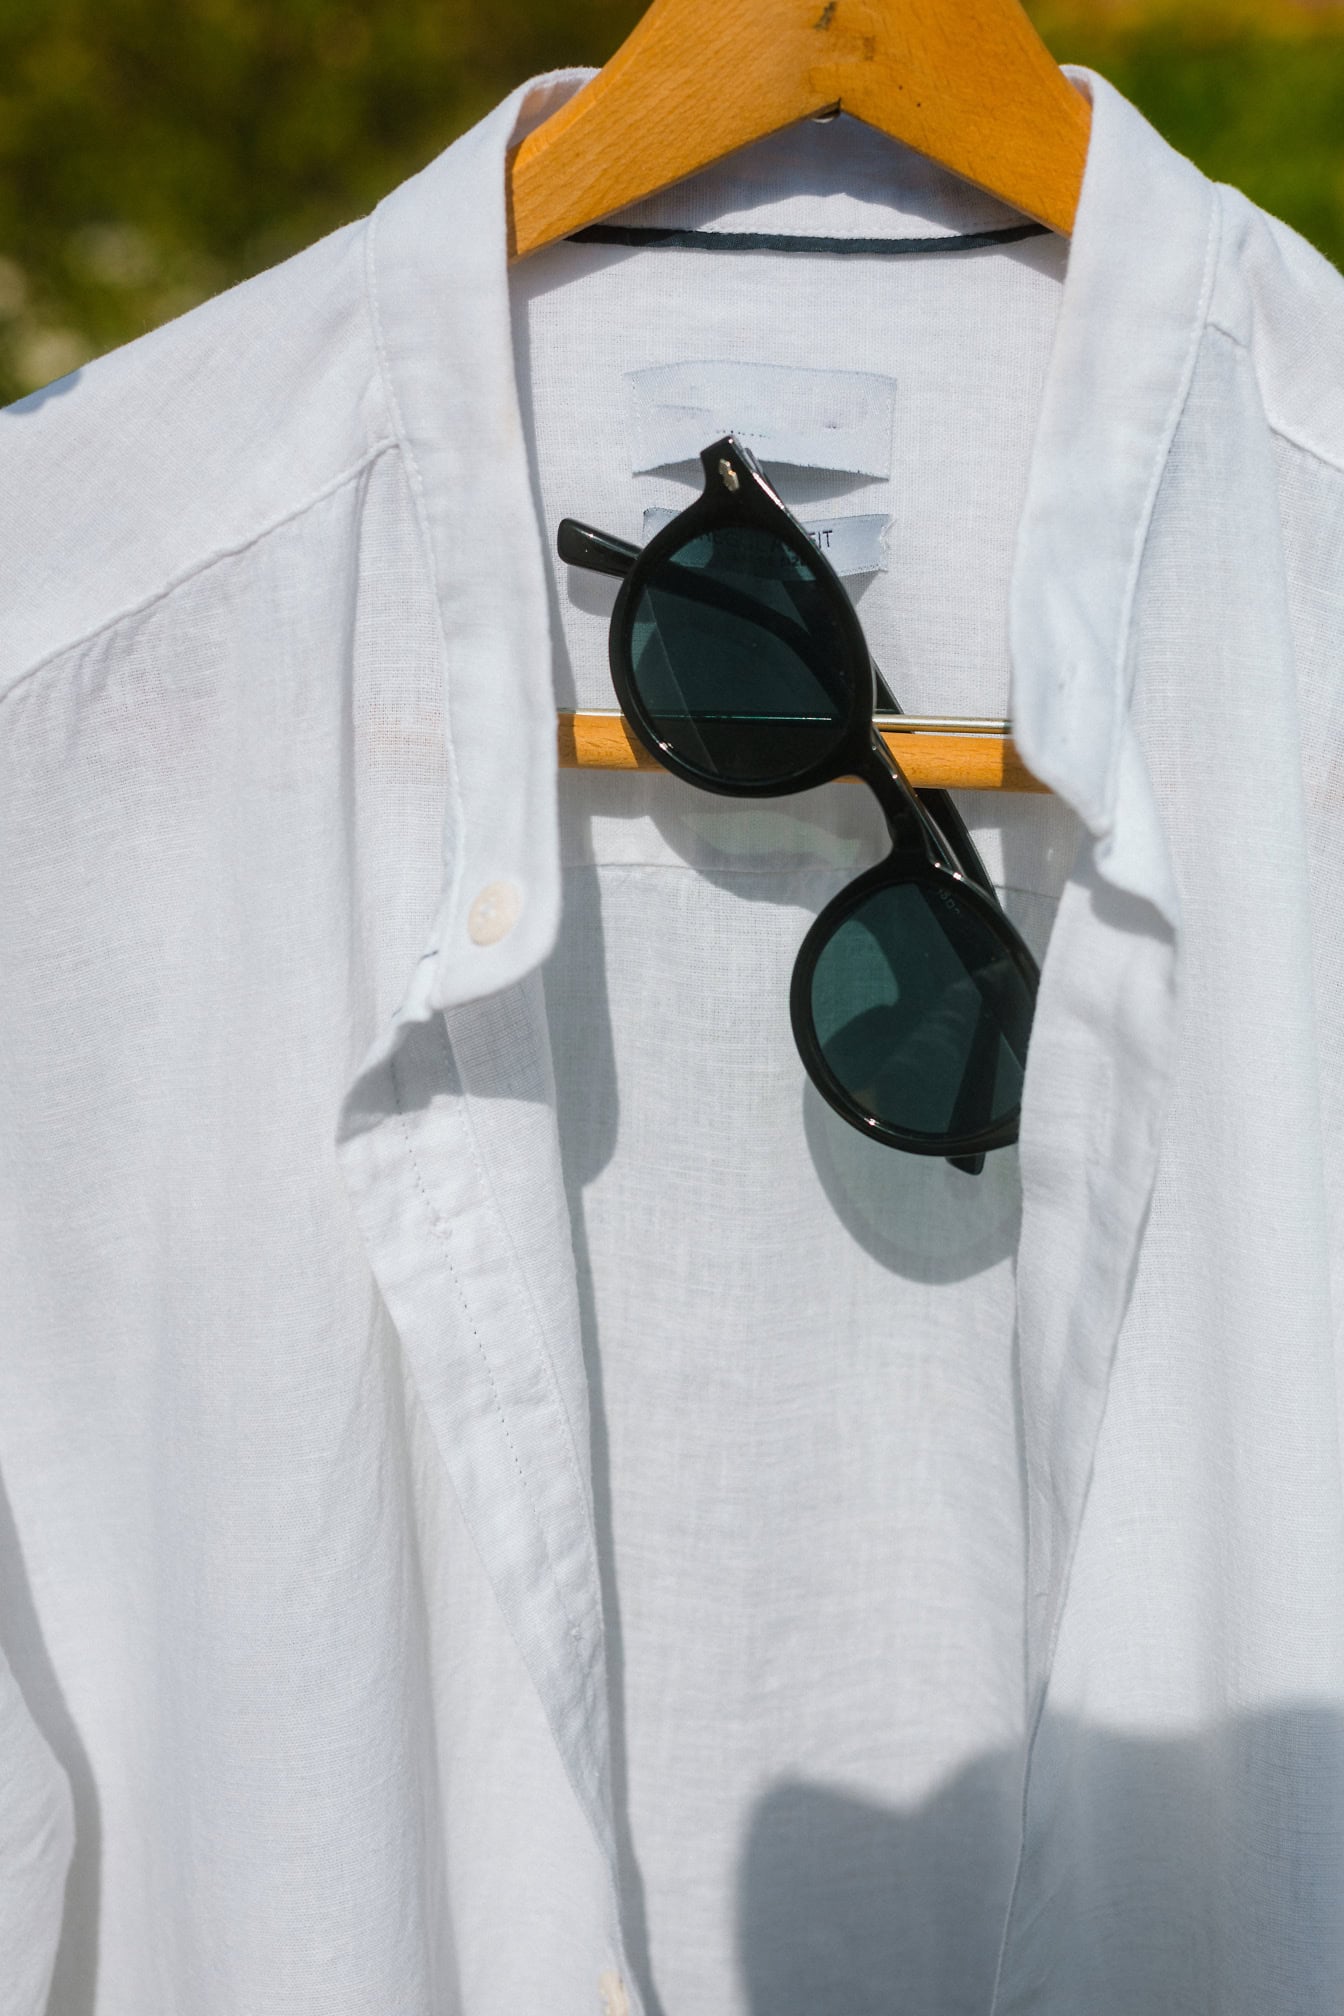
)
(1251, 90)
(153, 152)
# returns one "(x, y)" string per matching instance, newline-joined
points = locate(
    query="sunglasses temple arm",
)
(978, 1061)
(585, 546)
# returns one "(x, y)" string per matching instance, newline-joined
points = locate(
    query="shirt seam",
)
(168, 589)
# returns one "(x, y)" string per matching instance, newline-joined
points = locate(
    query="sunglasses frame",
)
(737, 492)
(900, 866)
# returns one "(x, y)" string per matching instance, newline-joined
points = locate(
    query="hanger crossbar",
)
(936, 751)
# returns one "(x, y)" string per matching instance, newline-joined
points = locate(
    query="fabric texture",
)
(508, 1503)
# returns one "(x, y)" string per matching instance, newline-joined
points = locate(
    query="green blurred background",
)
(153, 152)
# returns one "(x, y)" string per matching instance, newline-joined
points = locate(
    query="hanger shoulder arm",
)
(969, 83)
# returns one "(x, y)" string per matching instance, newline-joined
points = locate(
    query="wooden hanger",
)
(968, 83)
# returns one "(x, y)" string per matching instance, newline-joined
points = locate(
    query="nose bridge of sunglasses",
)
(913, 823)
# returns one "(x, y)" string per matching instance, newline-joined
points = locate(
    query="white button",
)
(494, 912)
(615, 2001)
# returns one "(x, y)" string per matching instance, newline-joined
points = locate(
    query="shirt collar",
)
(1136, 296)
(1133, 305)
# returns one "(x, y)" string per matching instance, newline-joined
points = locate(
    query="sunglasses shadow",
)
(915, 1214)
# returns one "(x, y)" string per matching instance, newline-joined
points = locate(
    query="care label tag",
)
(854, 545)
(808, 419)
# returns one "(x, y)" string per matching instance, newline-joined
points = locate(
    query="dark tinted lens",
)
(921, 1014)
(738, 658)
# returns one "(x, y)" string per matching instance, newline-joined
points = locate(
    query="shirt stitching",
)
(198, 567)
(442, 1231)
(441, 1030)
(436, 1222)
(1200, 322)
(412, 468)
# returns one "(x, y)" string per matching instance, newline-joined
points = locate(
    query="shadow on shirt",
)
(1198, 1871)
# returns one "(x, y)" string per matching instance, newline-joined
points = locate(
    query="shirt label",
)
(809, 419)
(856, 544)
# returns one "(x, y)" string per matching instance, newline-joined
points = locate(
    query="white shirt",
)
(511, 1505)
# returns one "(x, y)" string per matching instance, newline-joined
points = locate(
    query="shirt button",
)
(615, 2001)
(494, 912)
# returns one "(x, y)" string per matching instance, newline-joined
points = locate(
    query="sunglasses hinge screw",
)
(728, 473)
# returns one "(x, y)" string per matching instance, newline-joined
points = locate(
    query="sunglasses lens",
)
(921, 1013)
(739, 659)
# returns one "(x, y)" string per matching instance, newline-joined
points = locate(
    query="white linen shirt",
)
(509, 1503)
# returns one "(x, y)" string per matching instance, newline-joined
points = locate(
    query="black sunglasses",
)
(741, 665)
